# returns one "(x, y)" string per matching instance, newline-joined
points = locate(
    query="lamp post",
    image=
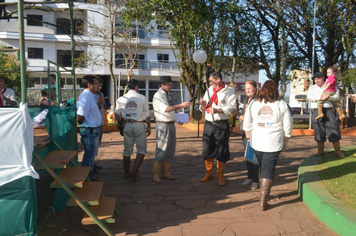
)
(313, 56)
(199, 57)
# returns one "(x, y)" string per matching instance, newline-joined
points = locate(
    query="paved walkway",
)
(186, 206)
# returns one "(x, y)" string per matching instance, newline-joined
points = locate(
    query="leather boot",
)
(134, 171)
(341, 113)
(320, 149)
(127, 167)
(338, 149)
(221, 171)
(209, 163)
(320, 112)
(156, 170)
(265, 187)
(165, 171)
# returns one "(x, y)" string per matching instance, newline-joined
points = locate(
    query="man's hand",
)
(352, 97)
(202, 103)
(148, 132)
(1, 95)
(325, 97)
(241, 118)
(185, 104)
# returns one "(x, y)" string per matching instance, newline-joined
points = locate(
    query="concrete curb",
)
(327, 208)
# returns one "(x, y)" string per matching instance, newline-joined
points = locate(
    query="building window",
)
(35, 53)
(162, 57)
(64, 58)
(34, 20)
(120, 61)
(63, 26)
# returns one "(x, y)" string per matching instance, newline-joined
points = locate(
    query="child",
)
(330, 89)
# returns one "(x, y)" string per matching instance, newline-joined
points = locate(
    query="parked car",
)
(297, 110)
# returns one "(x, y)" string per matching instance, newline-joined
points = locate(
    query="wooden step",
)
(73, 176)
(104, 211)
(89, 194)
(57, 159)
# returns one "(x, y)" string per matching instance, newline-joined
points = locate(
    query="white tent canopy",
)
(16, 144)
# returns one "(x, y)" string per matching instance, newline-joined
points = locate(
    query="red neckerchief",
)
(1, 102)
(214, 97)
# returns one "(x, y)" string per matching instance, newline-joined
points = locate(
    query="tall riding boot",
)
(338, 149)
(156, 170)
(127, 166)
(165, 171)
(209, 163)
(134, 171)
(320, 112)
(265, 187)
(341, 113)
(221, 171)
(320, 149)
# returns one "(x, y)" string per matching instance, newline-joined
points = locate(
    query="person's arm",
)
(326, 87)
(352, 97)
(80, 119)
(148, 124)
(7, 100)
(176, 107)
(285, 144)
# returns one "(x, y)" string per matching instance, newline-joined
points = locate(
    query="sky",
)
(262, 77)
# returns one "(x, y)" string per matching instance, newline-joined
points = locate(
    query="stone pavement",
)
(188, 207)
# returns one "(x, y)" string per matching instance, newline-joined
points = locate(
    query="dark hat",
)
(164, 79)
(318, 74)
(7, 80)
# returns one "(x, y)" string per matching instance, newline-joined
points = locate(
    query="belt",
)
(217, 121)
(90, 127)
(169, 122)
(132, 121)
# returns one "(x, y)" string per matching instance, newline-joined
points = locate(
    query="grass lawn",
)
(339, 177)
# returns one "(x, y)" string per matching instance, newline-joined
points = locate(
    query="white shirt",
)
(10, 94)
(269, 123)
(160, 104)
(133, 106)
(87, 107)
(226, 102)
(314, 94)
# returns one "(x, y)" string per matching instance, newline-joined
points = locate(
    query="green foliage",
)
(339, 175)
(10, 66)
(349, 77)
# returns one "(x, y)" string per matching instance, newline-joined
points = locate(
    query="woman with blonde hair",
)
(268, 123)
(251, 91)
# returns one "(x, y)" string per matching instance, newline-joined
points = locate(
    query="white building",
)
(44, 41)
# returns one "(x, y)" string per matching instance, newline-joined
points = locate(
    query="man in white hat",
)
(7, 95)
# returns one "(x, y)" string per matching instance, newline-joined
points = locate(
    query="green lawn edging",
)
(333, 213)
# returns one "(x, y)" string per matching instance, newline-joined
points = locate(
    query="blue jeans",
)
(90, 141)
(268, 163)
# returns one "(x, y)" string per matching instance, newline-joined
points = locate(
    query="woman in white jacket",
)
(268, 123)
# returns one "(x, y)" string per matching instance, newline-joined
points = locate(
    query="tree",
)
(119, 35)
(10, 67)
